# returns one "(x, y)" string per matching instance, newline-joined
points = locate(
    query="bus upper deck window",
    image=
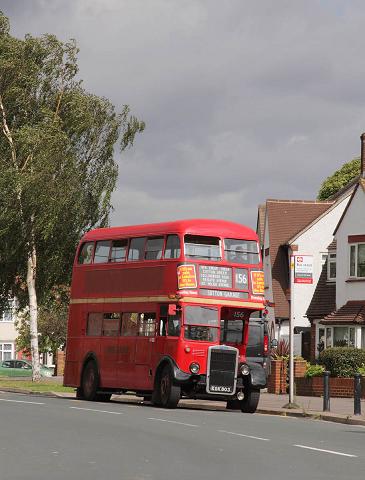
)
(172, 249)
(86, 253)
(136, 249)
(241, 251)
(118, 251)
(102, 251)
(201, 247)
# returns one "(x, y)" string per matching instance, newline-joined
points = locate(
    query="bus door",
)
(145, 344)
(169, 328)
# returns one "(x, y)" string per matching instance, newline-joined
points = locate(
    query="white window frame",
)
(331, 259)
(356, 245)
(6, 316)
(329, 334)
(3, 351)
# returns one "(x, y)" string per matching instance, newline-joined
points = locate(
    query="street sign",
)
(303, 269)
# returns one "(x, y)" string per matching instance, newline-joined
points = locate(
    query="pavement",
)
(341, 409)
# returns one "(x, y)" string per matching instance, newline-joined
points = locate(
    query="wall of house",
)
(268, 280)
(8, 336)
(314, 241)
(353, 223)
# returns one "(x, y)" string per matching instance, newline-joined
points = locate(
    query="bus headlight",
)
(194, 368)
(244, 369)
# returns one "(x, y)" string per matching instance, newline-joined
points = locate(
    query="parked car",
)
(21, 368)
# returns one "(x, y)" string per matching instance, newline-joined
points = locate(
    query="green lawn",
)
(42, 386)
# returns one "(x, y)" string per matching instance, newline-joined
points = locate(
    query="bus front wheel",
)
(169, 394)
(251, 400)
(90, 381)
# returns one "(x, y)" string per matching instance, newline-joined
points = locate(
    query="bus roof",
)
(197, 226)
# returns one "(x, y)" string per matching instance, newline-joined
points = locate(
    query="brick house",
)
(287, 227)
(343, 324)
(8, 333)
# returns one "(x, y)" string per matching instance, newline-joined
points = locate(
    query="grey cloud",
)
(242, 100)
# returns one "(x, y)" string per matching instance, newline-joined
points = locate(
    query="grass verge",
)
(42, 386)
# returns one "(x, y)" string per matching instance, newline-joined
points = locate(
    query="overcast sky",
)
(243, 100)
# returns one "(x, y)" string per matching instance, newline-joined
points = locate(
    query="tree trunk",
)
(33, 313)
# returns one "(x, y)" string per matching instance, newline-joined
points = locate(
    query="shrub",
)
(281, 351)
(314, 371)
(361, 369)
(342, 361)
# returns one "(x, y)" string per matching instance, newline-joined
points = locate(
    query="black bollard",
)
(326, 391)
(357, 394)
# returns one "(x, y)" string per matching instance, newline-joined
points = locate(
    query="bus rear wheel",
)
(169, 394)
(251, 400)
(90, 381)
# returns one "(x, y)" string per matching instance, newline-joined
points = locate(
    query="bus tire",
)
(90, 381)
(169, 394)
(79, 393)
(233, 404)
(103, 397)
(251, 400)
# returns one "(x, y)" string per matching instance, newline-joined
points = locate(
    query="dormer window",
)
(331, 268)
(357, 260)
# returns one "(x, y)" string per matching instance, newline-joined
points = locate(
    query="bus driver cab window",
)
(170, 323)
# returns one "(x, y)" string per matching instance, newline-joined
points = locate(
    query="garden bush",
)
(342, 361)
(314, 371)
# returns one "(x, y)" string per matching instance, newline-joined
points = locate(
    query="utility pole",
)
(291, 403)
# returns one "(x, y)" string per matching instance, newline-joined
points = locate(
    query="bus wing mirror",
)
(274, 343)
(172, 309)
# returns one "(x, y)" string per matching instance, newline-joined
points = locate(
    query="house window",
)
(6, 316)
(331, 271)
(357, 260)
(6, 351)
(340, 337)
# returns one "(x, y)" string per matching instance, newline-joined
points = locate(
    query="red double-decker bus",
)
(163, 310)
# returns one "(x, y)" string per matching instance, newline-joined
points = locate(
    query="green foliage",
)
(52, 323)
(342, 361)
(361, 369)
(281, 352)
(339, 179)
(57, 167)
(314, 370)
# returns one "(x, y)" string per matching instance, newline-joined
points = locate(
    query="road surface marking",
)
(247, 436)
(20, 401)
(94, 410)
(325, 451)
(172, 421)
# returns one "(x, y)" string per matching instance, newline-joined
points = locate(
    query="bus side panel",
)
(74, 345)
(127, 281)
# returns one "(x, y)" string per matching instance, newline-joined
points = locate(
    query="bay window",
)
(340, 336)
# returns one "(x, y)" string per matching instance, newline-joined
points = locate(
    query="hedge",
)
(342, 361)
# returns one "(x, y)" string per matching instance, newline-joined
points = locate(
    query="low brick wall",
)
(339, 387)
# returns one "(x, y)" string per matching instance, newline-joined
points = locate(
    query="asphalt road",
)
(52, 438)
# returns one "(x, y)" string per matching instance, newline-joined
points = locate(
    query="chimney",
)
(362, 174)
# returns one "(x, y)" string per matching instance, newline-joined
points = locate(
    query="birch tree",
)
(57, 166)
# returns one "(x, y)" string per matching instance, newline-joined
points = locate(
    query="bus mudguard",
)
(179, 376)
(257, 375)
